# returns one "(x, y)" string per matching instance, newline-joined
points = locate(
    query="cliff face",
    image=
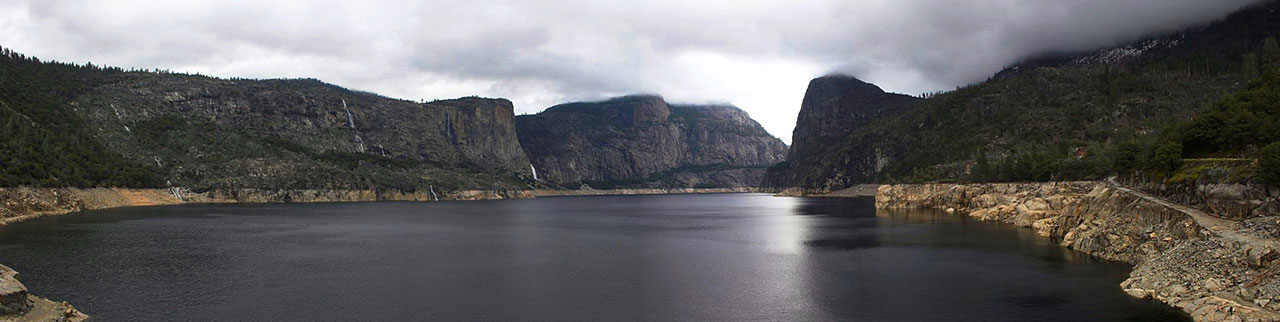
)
(1046, 119)
(208, 133)
(1215, 270)
(642, 142)
(835, 107)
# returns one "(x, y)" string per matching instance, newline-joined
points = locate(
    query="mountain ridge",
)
(204, 133)
(1054, 119)
(641, 141)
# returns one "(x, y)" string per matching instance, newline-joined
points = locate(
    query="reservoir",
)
(720, 257)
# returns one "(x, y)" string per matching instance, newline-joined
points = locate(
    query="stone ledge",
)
(16, 305)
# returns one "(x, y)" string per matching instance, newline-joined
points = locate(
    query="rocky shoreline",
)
(16, 305)
(1213, 269)
(624, 192)
(862, 190)
(18, 204)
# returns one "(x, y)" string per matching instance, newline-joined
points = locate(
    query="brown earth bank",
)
(1214, 269)
(619, 192)
(16, 305)
(17, 204)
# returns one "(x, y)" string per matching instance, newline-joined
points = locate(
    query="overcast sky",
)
(758, 55)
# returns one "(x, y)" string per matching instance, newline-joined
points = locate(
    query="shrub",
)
(1269, 163)
(1167, 157)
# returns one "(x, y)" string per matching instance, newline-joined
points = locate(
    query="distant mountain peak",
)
(641, 141)
(636, 97)
(843, 83)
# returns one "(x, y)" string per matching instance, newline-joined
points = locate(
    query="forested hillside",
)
(89, 126)
(1059, 117)
(43, 141)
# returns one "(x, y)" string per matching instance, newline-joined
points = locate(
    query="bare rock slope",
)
(643, 142)
(302, 134)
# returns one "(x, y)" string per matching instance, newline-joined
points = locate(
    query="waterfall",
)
(448, 128)
(433, 193)
(535, 172)
(120, 118)
(351, 121)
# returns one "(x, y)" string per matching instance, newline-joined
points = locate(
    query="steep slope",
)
(1050, 118)
(642, 142)
(206, 133)
(835, 107)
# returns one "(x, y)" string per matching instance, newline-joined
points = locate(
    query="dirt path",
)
(1224, 228)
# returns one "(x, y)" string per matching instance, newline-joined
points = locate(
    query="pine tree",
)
(1250, 66)
(1269, 163)
(1270, 53)
(1168, 157)
(981, 170)
(1006, 170)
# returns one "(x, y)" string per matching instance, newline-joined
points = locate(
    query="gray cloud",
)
(757, 54)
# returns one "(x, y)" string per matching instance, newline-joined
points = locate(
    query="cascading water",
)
(120, 118)
(351, 121)
(535, 172)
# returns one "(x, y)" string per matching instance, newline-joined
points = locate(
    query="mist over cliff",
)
(1076, 116)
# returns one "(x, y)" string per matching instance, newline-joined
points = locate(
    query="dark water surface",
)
(731, 257)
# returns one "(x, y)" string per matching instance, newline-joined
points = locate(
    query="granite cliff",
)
(1054, 117)
(92, 126)
(835, 108)
(303, 134)
(643, 142)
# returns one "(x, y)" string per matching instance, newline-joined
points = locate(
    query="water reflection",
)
(742, 257)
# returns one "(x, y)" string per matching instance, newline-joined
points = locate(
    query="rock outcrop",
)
(17, 305)
(849, 132)
(822, 156)
(1215, 270)
(208, 133)
(642, 142)
(93, 126)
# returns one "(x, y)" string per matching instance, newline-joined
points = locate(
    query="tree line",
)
(43, 142)
(1243, 127)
